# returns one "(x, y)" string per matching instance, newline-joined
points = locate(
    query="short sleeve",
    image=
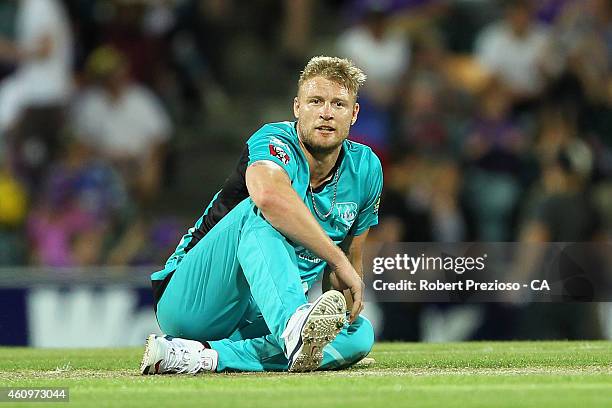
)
(271, 144)
(488, 49)
(153, 115)
(86, 116)
(37, 19)
(368, 213)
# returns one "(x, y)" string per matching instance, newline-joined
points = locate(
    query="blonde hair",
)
(339, 70)
(104, 61)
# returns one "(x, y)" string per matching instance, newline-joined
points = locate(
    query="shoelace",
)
(178, 359)
(304, 306)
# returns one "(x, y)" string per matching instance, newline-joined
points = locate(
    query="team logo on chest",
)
(347, 211)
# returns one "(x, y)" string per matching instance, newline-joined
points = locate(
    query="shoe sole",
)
(321, 327)
(148, 358)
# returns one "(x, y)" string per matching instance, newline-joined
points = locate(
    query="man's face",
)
(519, 19)
(325, 111)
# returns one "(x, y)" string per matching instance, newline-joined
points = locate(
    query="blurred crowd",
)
(493, 118)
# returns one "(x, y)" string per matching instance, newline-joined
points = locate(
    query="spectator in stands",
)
(13, 210)
(515, 51)
(565, 181)
(448, 220)
(146, 242)
(42, 52)
(423, 120)
(83, 201)
(123, 122)
(384, 54)
(583, 38)
(494, 151)
(566, 172)
(495, 140)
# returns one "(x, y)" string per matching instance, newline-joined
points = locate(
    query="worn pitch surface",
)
(482, 374)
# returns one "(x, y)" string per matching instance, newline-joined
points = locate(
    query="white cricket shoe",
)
(312, 327)
(171, 355)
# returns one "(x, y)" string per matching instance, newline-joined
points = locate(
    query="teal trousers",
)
(237, 288)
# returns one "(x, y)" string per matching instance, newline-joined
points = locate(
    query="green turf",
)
(512, 374)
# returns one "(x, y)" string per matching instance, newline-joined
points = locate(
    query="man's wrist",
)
(339, 260)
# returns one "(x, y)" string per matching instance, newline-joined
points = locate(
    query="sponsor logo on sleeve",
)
(279, 153)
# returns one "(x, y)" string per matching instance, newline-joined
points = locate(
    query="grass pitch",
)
(498, 374)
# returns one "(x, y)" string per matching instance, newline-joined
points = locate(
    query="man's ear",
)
(296, 107)
(355, 113)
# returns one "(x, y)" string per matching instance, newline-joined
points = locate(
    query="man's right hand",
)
(271, 191)
(343, 276)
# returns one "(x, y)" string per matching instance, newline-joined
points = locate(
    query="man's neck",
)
(321, 164)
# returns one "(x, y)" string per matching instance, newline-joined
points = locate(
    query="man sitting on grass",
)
(301, 201)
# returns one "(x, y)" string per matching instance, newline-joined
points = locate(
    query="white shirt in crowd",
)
(517, 61)
(384, 60)
(44, 81)
(10, 104)
(127, 127)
